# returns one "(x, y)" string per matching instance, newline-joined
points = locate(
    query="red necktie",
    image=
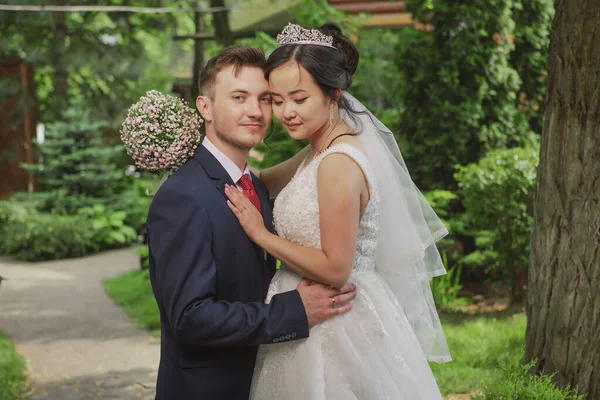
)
(248, 190)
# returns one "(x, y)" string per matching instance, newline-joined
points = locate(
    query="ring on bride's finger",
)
(333, 302)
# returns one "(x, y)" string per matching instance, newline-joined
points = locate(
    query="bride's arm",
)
(276, 177)
(340, 182)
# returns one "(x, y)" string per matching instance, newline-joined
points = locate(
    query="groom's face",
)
(239, 110)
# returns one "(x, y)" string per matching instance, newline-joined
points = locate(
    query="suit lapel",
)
(216, 172)
(213, 168)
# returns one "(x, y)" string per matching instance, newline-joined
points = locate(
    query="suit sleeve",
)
(179, 238)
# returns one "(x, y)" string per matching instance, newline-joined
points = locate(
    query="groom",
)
(208, 278)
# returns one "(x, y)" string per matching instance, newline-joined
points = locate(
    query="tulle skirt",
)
(369, 353)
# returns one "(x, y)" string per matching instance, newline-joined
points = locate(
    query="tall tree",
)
(221, 23)
(106, 58)
(563, 306)
(57, 59)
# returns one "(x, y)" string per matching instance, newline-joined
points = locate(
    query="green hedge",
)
(497, 193)
(32, 236)
(37, 237)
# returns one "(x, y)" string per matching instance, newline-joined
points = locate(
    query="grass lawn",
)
(479, 344)
(133, 292)
(12, 371)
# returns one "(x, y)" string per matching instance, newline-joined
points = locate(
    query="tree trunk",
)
(563, 297)
(198, 53)
(221, 24)
(57, 55)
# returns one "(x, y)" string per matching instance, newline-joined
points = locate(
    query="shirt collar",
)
(232, 169)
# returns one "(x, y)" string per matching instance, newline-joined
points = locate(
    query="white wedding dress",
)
(369, 353)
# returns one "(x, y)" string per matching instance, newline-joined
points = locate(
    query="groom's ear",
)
(203, 105)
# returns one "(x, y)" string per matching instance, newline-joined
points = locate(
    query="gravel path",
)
(79, 345)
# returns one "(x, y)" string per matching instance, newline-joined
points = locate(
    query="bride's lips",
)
(292, 127)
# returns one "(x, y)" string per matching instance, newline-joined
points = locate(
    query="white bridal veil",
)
(407, 257)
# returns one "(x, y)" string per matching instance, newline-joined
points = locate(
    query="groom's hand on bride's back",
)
(323, 302)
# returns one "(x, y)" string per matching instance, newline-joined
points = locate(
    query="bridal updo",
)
(331, 69)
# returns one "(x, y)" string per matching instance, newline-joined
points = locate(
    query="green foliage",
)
(144, 252)
(377, 74)
(108, 227)
(32, 236)
(445, 288)
(77, 169)
(497, 193)
(12, 371)
(517, 383)
(135, 202)
(38, 237)
(111, 58)
(460, 91)
(133, 292)
(533, 21)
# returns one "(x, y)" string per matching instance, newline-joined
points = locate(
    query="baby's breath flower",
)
(160, 132)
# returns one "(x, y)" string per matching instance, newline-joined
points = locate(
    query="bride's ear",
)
(203, 105)
(337, 93)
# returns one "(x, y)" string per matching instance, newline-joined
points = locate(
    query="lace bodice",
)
(296, 211)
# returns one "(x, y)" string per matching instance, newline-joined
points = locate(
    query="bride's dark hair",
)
(331, 69)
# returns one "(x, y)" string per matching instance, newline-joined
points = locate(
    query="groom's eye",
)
(266, 100)
(238, 98)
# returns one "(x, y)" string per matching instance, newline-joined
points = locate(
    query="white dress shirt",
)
(232, 169)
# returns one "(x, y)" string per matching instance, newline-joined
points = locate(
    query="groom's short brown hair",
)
(238, 56)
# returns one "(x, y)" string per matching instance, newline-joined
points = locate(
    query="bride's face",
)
(298, 102)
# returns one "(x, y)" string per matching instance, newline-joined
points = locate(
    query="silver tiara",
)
(295, 34)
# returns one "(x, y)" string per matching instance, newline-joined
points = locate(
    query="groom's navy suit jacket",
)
(210, 282)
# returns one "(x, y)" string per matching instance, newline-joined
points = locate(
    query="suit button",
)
(275, 340)
(281, 338)
(288, 336)
(294, 335)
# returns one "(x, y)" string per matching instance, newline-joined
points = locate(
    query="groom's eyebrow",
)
(243, 91)
(291, 93)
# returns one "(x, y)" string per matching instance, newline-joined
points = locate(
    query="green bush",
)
(459, 93)
(517, 383)
(445, 288)
(12, 371)
(135, 202)
(32, 236)
(37, 237)
(108, 228)
(497, 193)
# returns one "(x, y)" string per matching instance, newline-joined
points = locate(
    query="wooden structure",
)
(17, 128)
(384, 13)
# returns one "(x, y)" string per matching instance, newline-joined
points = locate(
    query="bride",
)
(349, 213)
